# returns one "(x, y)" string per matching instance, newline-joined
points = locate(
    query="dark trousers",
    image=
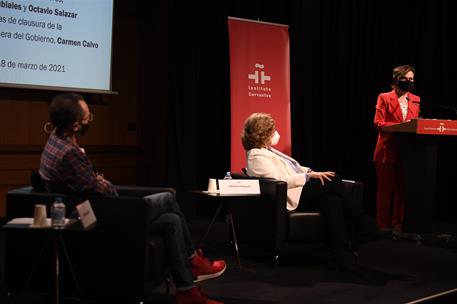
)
(337, 209)
(168, 220)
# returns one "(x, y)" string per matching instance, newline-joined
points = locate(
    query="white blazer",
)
(265, 163)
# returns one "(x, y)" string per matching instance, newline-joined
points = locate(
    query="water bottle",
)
(227, 175)
(58, 213)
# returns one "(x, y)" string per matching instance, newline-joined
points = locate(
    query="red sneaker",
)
(194, 296)
(204, 269)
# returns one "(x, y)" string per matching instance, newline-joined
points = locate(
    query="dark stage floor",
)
(391, 271)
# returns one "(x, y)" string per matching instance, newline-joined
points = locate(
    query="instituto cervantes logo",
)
(259, 79)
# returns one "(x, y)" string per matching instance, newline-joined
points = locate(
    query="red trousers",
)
(390, 192)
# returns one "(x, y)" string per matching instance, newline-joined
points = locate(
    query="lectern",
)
(417, 148)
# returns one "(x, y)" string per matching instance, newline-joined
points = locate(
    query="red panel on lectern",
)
(437, 126)
(425, 126)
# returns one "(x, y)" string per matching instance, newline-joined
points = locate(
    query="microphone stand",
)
(436, 106)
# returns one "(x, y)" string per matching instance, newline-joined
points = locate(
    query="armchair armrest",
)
(261, 221)
(136, 191)
(356, 190)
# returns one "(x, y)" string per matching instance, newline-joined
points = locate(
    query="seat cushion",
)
(305, 226)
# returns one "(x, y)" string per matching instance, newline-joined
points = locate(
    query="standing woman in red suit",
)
(396, 106)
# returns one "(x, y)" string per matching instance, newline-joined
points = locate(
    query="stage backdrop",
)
(259, 80)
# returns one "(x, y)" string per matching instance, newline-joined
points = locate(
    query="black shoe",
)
(383, 234)
(371, 231)
(344, 268)
(343, 261)
(386, 229)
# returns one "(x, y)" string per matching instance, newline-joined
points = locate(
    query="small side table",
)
(54, 235)
(223, 199)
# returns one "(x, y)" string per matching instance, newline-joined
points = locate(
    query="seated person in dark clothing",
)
(65, 168)
(307, 190)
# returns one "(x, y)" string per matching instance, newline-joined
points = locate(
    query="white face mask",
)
(275, 138)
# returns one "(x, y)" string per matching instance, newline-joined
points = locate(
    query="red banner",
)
(259, 80)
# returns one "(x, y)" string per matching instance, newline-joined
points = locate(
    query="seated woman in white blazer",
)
(307, 190)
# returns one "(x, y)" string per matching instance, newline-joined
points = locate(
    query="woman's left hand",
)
(322, 176)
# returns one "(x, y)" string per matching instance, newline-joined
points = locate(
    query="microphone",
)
(436, 106)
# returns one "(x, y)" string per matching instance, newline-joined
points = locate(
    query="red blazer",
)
(388, 112)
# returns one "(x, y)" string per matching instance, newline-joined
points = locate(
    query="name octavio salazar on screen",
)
(38, 9)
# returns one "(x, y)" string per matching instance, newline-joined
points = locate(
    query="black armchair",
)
(265, 224)
(118, 257)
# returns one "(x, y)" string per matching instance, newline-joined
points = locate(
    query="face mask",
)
(405, 85)
(275, 138)
(83, 130)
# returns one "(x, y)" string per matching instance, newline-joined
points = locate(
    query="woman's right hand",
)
(322, 176)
